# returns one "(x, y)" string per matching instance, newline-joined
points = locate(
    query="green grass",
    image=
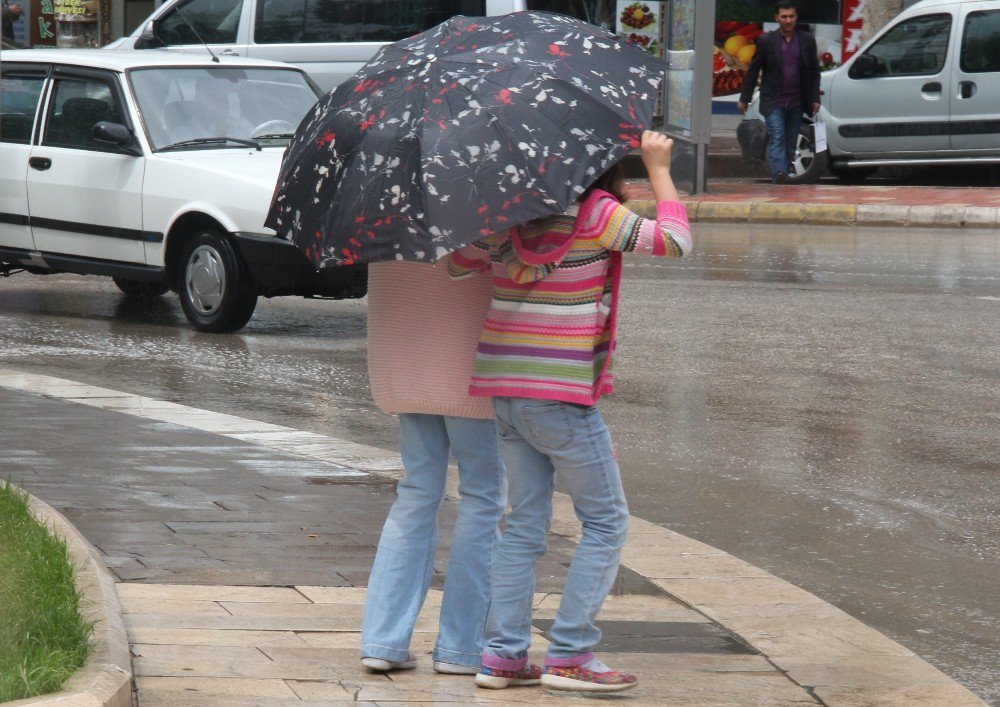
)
(43, 638)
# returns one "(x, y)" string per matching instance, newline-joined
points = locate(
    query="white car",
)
(157, 169)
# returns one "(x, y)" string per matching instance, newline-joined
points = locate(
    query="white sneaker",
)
(382, 665)
(454, 668)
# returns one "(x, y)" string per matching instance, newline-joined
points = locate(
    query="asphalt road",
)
(822, 403)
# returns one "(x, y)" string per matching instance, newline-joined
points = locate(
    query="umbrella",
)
(469, 128)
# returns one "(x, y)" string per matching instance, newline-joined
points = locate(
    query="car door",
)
(975, 99)
(20, 93)
(893, 97)
(85, 196)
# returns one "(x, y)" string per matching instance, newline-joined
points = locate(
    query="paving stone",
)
(950, 695)
(882, 215)
(937, 216)
(219, 637)
(172, 690)
(776, 213)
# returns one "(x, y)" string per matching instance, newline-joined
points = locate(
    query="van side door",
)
(190, 25)
(975, 98)
(20, 93)
(331, 40)
(893, 97)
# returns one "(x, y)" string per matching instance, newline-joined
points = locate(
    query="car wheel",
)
(807, 166)
(214, 286)
(851, 174)
(140, 289)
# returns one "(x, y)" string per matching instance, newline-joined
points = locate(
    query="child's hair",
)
(612, 181)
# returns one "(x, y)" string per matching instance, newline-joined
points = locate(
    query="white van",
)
(329, 39)
(925, 90)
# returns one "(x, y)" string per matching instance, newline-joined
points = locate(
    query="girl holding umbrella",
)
(545, 358)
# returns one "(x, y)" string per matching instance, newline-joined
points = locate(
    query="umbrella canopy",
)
(469, 128)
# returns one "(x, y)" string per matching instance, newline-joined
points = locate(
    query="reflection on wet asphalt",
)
(823, 403)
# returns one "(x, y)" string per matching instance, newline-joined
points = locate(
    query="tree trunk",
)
(877, 14)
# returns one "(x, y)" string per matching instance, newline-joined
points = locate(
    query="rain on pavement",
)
(823, 403)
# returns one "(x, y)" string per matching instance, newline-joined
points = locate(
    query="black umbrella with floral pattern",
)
(469, 128)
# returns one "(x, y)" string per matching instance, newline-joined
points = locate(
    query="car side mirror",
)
(148, 38)
(116, 134)
(864, 67)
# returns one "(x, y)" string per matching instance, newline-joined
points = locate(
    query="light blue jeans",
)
(540, 439)
(782, 135)
(404, 561)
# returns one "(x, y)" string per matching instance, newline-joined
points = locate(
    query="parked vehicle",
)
(330, 40)
(925, 90)
(155, 168)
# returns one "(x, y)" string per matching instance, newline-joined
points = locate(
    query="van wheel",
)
(141, 289)
(214, 285)
(807, 166)
(851, 175)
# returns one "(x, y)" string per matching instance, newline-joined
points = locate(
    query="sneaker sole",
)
(557, 682)
(455, 669)
(384, 666)
(494, 682)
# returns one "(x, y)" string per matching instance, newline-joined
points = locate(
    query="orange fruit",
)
(746, 53)
(735, 43)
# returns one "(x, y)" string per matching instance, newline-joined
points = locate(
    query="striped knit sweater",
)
(551, 326)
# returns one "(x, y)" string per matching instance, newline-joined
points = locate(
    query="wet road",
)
(822, 403)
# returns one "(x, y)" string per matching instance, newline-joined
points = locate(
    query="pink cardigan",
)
(423, 328)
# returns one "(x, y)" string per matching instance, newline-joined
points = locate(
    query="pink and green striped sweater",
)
(550, 330)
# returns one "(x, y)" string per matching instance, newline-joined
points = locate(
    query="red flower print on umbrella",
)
(469, 128)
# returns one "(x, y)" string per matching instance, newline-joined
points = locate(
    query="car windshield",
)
(196, 106)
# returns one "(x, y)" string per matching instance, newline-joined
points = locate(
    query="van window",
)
(18, 103)
(288, 21)
(197, 21)
(981, 42)
(915, 46)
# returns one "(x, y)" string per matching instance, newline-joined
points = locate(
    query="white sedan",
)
(155, 168)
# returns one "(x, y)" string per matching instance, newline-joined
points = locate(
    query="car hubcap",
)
(804, 155)
(205, 279)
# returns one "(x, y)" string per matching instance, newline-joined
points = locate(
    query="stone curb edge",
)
(941, 216)
(832, 656)
(105, 680)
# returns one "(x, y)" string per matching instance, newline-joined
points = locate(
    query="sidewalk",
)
(739, 192)
(241, 550)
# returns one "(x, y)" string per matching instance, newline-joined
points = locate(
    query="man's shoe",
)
(496, 679)
(381, 665)
(781, 178)
(454, 668)
(592, 676)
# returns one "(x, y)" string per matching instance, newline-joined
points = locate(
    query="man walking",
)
(8, 13)
(789, 86)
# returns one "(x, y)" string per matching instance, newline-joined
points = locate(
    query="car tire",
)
(851, 175)
(140, 289)
(808, 166)
(215, 287)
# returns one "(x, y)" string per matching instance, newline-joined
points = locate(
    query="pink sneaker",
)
(592, 676)
(497, 679)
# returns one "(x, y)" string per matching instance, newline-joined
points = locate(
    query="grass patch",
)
(43, 638)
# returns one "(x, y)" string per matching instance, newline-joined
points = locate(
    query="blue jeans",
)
(540, 439)
(782, 134)
(404, 562)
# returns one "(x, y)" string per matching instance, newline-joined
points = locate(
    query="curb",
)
(941, 216)
(834, 658)
(105, 680)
